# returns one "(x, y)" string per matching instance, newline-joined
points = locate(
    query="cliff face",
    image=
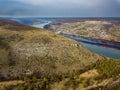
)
(30, 51)
(97, 29)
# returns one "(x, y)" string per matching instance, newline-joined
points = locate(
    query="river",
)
(103, 48)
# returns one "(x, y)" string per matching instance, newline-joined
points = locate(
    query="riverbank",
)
(108, 48)
(37, 59)
(107, 30)
(105, 43)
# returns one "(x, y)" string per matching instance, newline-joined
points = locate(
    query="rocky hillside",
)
(25, 51)
(97, 29)
(36, 59)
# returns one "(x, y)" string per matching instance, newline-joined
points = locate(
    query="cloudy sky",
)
(59, 8)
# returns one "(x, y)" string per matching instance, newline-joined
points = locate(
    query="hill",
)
(36, 59)
(26, 51)
(97, 29)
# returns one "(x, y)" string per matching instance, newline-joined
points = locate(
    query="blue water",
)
(41, 25)
(99, 49)
(93, 41)
(105, 51)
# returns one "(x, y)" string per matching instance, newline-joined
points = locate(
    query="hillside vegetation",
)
(37, 51)
(96, 29)
(36, 59)
(104, 75)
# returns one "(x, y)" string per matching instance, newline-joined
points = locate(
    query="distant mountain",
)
(28, 20)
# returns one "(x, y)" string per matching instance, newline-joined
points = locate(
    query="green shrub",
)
(72, 82)
(34, 79)
(108, 68)
(27, 80)
(86, 82)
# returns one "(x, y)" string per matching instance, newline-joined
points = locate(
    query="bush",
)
(72, 82)
(107, 68)
(27, 80)
(86, 82)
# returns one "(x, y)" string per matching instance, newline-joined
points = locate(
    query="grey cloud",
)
(73, 8)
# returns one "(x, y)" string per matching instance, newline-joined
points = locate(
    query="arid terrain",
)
(37, 59)
(96, 29)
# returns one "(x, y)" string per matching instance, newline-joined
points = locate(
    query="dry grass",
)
(41, 53)
(14, 82)
(102, 29)
(89, 74)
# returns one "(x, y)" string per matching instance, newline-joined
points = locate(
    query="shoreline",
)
(114, 45)
(100, 42)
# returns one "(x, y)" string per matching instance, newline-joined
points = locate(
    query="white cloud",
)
(62, 2)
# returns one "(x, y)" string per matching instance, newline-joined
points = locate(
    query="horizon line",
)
(62, 16)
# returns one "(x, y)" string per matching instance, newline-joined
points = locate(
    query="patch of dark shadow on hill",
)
(14, 25)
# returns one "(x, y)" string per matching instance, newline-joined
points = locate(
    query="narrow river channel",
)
(102, 48)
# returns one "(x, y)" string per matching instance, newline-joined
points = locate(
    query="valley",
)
(107, 30)
(37, 59)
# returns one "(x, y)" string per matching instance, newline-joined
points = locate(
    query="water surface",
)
(99, 49)
(94, 46)
(105, 51)
(41, 25)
